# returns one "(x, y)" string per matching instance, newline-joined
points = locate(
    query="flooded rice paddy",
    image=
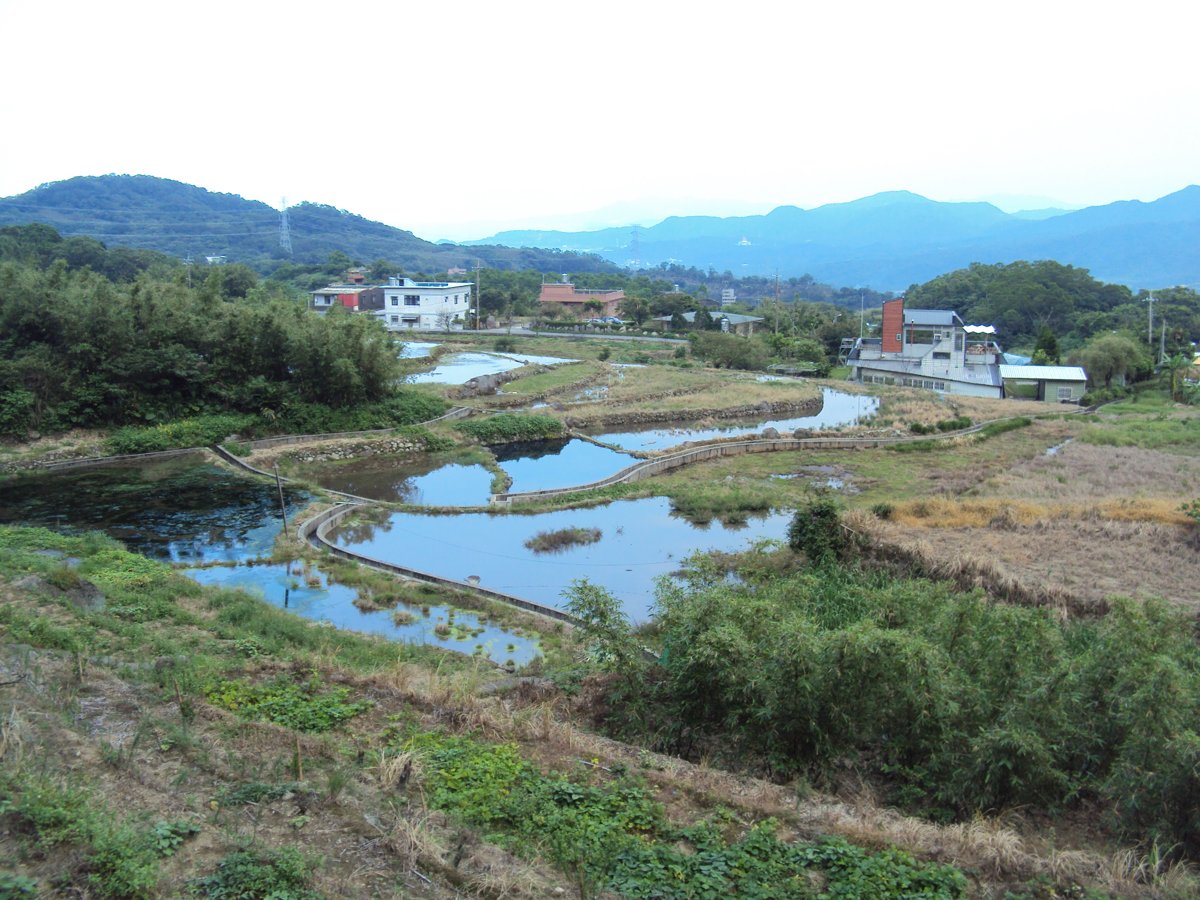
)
(459, 368)
(307, 591)
(641, 540)
(430, 481)
(217, 526)
(541, 465)
(839, 410)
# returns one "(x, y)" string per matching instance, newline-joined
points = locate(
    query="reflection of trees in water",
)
(527, 450)
(160, 510)
(361, 527)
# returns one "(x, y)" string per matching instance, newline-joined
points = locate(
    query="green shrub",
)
(816, 531)
(201, 431)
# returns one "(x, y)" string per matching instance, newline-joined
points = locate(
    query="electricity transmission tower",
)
(285, 233)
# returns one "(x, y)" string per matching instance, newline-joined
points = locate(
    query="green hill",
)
(183, 220)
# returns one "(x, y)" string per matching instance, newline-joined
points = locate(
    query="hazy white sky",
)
(459, 119)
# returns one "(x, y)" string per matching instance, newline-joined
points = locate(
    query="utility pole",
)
(1162, 344)
(1150, 301)
(478, 270)
(862, 312)
(285, 232)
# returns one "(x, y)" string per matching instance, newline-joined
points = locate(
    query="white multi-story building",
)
(403, 303)
(935, 350)
(425, 304)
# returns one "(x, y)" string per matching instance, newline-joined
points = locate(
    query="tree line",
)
(80, 349)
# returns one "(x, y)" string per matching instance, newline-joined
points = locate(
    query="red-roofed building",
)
(582, 304)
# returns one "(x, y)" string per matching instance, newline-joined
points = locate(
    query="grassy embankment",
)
(174, 739)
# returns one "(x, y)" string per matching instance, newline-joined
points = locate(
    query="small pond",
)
(840, 409)
(541, 465)
(641, 540)
(309, 592)
(429, 481)
(182, 509)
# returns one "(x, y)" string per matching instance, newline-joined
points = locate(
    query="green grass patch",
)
(199, 431)
(556, 379)
(1147, 432)
(507, 427)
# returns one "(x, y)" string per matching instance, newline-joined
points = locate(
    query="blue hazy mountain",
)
(898, 238)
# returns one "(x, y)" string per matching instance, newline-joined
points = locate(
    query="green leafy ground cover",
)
(611, 835)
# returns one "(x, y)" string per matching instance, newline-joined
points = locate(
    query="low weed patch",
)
(304, 707)
(252, 873)
(200, 431)
(610, 834)
(121, 857)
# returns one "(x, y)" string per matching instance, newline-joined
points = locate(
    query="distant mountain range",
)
(887, 241)
(892, 240)
(185, 220)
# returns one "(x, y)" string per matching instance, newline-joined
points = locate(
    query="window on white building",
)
(395, 301)
(1065, 393)
(412, 299)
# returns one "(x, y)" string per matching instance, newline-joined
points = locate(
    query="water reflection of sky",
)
(327, 601)
(555, 464)
(416, 349)
(426, 482)
(839, 409)
(640, 541)
(181, 509)
(459, 368)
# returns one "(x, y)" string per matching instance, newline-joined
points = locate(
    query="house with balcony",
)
(403, 303)
(935, 350)
(932, 349)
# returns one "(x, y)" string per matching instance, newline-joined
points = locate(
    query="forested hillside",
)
(187, 221)
(1021, 298)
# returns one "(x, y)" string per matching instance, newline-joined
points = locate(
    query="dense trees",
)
(1022, 298)
(77, 349)
(953, 704)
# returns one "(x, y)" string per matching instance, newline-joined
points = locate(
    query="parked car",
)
(612, 320)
